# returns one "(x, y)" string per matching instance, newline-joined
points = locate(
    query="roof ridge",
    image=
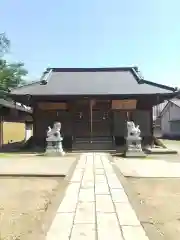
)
(94, 69)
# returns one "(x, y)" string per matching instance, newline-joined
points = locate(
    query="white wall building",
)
(158, 109)
(170, 119)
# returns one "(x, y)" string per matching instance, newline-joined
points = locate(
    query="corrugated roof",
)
(113, 81)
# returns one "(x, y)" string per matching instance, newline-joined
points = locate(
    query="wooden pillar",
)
(34, 120)
(152, 127)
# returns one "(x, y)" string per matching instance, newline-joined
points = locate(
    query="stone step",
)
(93, 143)
(93, 146)
(93, 140)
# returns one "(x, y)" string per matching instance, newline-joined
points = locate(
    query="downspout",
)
(154, 123)
(169, 111)
(91, 125)
(169, 130)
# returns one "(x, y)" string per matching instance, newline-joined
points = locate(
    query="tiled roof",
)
(93, 81)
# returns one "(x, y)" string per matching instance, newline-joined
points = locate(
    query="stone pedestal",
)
(54, 148)
(133, 141)
(134, 148)
(134, 153)
(50, 147)
(54, 141)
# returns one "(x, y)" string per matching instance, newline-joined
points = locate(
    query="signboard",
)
(124, 104)
(52, 106)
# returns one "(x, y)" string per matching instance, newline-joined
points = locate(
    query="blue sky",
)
(95, 33)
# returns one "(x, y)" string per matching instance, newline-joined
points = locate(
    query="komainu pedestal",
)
(54, 140)
(133, 141)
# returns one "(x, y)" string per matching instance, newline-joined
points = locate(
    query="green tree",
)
(11, 74)
(4, 44)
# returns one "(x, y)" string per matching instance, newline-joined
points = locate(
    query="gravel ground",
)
(157, 204)
(28, 205)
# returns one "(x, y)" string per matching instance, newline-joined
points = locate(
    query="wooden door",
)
(101, 119)
(81, 119)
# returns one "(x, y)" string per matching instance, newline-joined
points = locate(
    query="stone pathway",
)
(95, 206)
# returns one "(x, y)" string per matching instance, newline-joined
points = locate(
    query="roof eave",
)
(169, 94)
(159, 85)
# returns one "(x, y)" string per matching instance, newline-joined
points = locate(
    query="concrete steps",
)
(99, 143)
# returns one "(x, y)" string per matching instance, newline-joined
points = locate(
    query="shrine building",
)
(93, 105)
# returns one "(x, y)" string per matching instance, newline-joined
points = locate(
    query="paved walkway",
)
(95, 206)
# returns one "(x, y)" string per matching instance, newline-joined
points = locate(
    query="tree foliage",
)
(11, 74)
(4, 44)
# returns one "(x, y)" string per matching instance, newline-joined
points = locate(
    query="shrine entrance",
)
(91, 119)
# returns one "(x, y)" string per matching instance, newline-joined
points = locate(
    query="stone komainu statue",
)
(54, 139)
(133, 130)
(133, 140)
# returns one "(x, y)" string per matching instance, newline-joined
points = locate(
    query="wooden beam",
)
(52, 106)
(124, 104)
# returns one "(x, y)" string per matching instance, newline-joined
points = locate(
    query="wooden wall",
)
(46, 113)
(138, 111)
